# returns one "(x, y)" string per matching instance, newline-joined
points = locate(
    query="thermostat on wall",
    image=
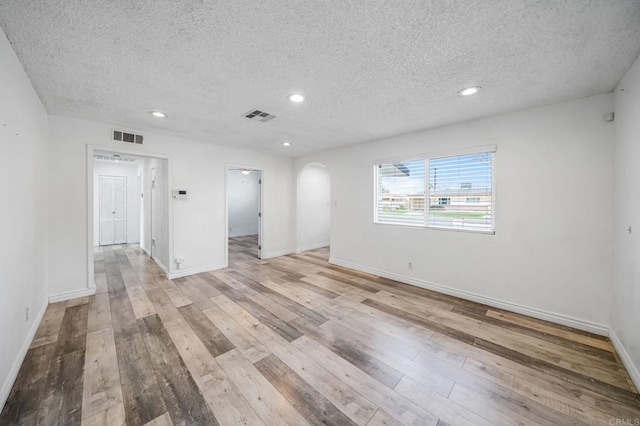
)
(180, 194)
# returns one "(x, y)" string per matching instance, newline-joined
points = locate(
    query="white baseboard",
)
(242, 234)
(276, 254)
(61, 297)
(179, 273)
(147, 252)
(632, 369)
(312, 247)
(490, 301)
(17, 363)
(161, 265)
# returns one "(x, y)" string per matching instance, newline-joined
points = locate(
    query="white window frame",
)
(426, 157)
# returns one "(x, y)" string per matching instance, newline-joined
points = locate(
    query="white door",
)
(139, 207)
(113, 210)
(153, 196)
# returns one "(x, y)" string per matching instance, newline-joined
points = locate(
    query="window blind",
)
(461, 192)
(454, 192)
(401, 192)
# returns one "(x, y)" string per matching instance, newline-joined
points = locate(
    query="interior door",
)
(152, 227)
(113, 210)
(120, 210)
(106, 211)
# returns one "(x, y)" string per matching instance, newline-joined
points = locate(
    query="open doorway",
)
(129, 205)
(116, 200)
(314, 208)
(244, 213)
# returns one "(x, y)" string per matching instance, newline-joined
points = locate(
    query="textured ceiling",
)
(369, 69)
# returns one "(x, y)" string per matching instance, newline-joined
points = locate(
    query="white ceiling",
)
(369, 69)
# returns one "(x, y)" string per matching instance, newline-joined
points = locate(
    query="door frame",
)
(91, 149)
(229, 166)
(126, 206)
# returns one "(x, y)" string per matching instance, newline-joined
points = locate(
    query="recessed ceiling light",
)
(245, 171)
(158, 114)
(469, 90)
(286, 143)
(296, 97)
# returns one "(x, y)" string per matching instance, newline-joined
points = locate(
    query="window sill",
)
(439, 228)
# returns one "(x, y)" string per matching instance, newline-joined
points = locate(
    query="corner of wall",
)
(632, 369)
(5, 390)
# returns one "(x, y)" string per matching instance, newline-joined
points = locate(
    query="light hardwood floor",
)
(294, 340)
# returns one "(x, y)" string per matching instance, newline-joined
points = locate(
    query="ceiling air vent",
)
(257, 115)
(121, 136)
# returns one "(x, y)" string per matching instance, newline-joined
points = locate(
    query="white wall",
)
(199, 223)
(23, 214)
(243, 198)
(314, 207)
(552, 250)
(129, 171)
(625, 307)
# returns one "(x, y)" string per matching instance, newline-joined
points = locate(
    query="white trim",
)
(277, 253)
(179, 273)
(75, 294)
(161, 265)
(145, 251)
(438, 154)
(312, 247)
(465, 151)
(22, 353)
(490, 301)
(632, 369)
(437, 228)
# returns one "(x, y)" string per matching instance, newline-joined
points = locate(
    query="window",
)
(401, 193)
(454, 192)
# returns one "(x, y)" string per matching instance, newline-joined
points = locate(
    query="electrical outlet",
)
(410, 265)
(26, 314)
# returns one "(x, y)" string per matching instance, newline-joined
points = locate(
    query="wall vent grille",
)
(257, 115)
(119, 135)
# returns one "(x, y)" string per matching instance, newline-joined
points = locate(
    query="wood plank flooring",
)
(295, 341)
